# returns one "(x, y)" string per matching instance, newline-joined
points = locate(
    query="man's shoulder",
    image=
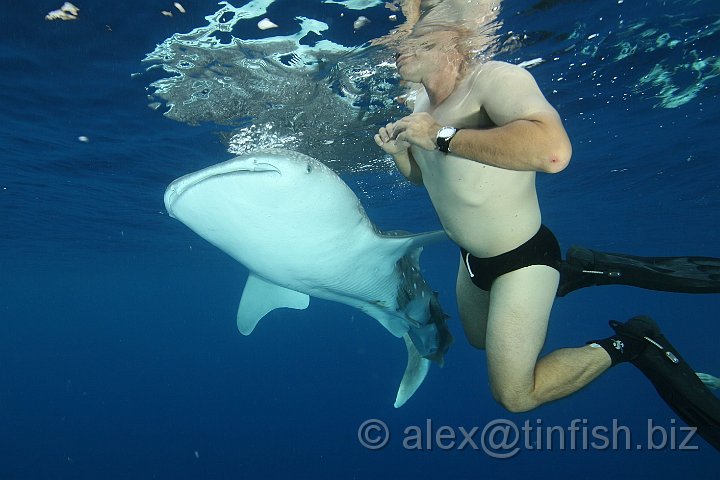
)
(488, 78)
(496, 64)
(499, 69)
(497, 77)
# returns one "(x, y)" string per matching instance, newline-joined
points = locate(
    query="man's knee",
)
(514, 400)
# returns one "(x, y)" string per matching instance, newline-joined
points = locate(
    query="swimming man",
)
(476, 138)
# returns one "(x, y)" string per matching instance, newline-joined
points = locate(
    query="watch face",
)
(446, 132)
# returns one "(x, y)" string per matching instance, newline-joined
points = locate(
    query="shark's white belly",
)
(302, 232)
(321, 243)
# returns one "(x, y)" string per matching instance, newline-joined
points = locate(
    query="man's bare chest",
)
(459, 110)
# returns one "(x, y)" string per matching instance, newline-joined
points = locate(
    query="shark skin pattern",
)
(302, 232)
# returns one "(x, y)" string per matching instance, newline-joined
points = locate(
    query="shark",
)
(302, 232)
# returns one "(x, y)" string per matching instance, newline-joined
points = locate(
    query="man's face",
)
(423, 52)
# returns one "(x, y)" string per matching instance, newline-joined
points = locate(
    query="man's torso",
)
(485, 209)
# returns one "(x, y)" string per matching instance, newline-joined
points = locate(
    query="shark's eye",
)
(308, 168)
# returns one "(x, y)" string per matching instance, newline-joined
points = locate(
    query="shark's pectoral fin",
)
(415, 372)
(261, 297)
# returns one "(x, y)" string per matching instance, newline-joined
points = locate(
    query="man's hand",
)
(400, 151)
(388, 144)
(419, 129)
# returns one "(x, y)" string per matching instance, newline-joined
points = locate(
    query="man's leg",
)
(472, 306)
(520, 304)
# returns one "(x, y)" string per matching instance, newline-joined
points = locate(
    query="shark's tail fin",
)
(415, 372)
(445, 338)
(428, 337)
(432, 339)
(429, 332)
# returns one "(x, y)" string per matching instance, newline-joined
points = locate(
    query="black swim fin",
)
(674, 379)
(583, 267)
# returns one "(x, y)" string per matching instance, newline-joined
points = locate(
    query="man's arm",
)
(528, 135)
(408, 167)
(536, 143)
(401, 154)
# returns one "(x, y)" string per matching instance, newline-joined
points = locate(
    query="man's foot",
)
(638, 327)
(577, 271)
(673, 378)
(630, 340)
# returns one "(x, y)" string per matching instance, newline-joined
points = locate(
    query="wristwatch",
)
(444, 135)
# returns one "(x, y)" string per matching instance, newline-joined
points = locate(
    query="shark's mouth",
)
(180, 186)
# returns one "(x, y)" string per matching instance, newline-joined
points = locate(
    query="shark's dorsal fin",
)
(261, 297)
(412, 244)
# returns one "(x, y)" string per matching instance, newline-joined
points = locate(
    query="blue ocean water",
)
(120, 357)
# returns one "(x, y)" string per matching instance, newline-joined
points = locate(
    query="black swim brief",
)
(541, 249)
